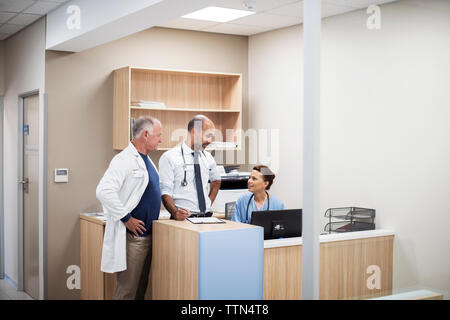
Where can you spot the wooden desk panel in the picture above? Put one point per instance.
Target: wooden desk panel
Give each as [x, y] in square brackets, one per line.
[343, 267]
[174, 263]
[283, 273]
[95, 284]
[91, 254]
[202, 261]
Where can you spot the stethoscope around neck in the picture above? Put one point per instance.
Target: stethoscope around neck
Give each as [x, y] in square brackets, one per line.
[184, 183]
[248, 205]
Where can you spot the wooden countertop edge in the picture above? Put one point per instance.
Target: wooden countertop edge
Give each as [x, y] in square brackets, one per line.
[267, 243]
[93, 219]
[349, 236]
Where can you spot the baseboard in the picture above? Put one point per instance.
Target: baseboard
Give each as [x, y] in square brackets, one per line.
[11, 281]
[446, 294]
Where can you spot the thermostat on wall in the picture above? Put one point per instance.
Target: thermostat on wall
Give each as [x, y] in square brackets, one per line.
[61, 175]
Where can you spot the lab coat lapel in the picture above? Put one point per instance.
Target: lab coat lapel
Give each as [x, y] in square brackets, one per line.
[138, 158]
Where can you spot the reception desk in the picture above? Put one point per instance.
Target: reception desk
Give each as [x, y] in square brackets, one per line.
[347, 260]
[198, 261]
[207, 261]
[95, 284]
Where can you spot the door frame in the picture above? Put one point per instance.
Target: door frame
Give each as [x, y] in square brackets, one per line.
[42, 197]
[2, 208]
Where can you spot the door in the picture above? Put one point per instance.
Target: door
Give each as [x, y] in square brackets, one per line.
[30, 195]
[2, 246]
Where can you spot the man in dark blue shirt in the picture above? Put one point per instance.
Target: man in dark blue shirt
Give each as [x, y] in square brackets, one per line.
[132, 282]
[148, 208]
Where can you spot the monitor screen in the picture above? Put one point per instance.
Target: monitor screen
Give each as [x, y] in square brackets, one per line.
[279, 223]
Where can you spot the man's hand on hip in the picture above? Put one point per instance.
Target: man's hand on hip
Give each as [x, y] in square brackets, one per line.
[137, 227]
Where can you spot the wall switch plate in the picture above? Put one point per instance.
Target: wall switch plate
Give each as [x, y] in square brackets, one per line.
[61, 175]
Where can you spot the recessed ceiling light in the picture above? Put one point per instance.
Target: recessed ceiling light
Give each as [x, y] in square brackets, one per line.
[218, 14]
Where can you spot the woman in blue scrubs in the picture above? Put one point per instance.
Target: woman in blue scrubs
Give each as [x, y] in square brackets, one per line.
[261, 178]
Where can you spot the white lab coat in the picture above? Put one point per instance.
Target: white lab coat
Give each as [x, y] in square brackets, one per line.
[120, 191]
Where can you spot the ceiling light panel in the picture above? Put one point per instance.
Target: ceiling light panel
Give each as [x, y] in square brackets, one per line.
[188, 24]
[218, 14]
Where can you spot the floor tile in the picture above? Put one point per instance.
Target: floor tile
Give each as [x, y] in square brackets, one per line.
[8, 292]
[4, 296]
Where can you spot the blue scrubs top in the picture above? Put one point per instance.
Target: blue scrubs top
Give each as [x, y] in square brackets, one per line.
[240, 209]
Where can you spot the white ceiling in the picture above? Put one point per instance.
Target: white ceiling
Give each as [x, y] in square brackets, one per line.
[17, 14]
[270, 15]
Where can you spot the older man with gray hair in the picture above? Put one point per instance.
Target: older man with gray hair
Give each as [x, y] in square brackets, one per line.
[131, 198]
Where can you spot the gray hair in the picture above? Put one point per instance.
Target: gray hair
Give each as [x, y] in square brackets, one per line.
[142, 124]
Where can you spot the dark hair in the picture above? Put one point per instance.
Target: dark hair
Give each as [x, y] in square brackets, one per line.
[191, 123]
[267, 174]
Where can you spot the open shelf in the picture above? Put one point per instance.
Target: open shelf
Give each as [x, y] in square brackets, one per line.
[186, 93]
[174, 124]
[185, 109]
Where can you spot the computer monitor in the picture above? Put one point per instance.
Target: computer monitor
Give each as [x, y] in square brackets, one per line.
[279, 223]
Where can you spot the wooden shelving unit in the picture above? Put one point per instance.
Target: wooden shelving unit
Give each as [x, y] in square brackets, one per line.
[185, 94]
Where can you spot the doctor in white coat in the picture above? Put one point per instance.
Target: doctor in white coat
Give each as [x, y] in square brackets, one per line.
[131, 200]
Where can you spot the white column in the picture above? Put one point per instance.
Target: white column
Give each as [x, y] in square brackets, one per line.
[311, 149]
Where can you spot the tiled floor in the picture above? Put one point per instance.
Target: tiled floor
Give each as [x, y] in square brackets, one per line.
[8, 292]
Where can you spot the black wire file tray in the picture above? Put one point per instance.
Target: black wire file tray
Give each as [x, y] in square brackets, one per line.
[349, 219]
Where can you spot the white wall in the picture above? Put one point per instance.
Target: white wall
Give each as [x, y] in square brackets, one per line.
[275, 61]
[24, 72]
[384, 125]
